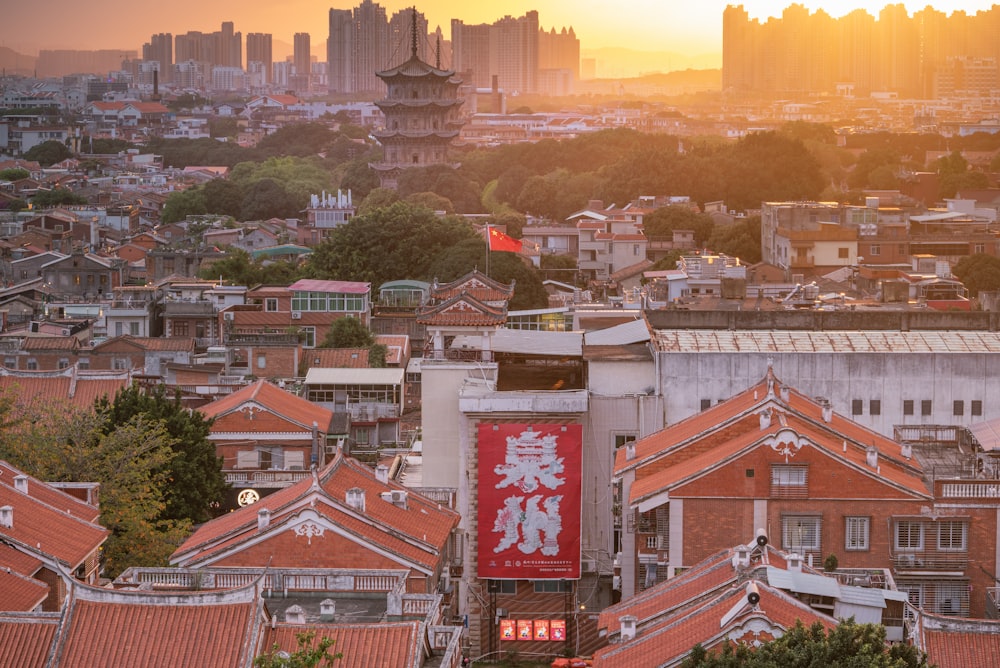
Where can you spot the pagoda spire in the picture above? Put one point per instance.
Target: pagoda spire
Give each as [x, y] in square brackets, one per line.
[413, 33]
[437, 53]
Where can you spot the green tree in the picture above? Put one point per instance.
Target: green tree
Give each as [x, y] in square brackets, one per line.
[663, 222]
[848, 645]
[197, 485]
[237, 267]
[131, 461]
[223, 197]
[431, 201]
[311, 653]
[267, 198]
[222, 127]
[741, 239]
[44, 199]
[14, 174]
[376, 355]
[378, 198]
[979, 273]
[348, 333]
[48, 152]
[183, 203]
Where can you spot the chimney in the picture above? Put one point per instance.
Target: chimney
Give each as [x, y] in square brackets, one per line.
[827, 410]
[355, 498]
[906, 450]
[263, 519]
[871, 456]
[327, 607]
[382, 473]
[765, 419]
[21, 483]
[785, 393]
[742, 557]
[314, 454]
[7, 517]
[630, 451]
[795, 562]
[295, 615]
[627, 626]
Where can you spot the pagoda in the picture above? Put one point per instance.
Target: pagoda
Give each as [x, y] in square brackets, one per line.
[421, 115]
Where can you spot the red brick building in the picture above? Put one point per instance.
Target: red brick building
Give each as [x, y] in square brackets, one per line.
[819, 484]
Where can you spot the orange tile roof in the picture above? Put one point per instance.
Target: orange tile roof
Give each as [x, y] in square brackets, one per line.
[50, 343]
[476, 284]
[154, 629]
[952, 642]
[314, 285]
[275, 400]
[673, 638]
[51, 496]
[25, 638]
[389, 644]
[24, 563]
[462, 310]
[418, 533]
[21, 592]
[338, 358]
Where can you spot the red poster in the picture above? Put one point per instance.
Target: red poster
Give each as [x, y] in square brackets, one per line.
[524, 629]
[529, 501]
[506, 629]
[557, 629]
[541, 629]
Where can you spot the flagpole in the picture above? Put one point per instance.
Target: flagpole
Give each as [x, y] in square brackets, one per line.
[487, 250]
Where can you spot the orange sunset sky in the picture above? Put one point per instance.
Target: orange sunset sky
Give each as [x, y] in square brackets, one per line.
[683, 27]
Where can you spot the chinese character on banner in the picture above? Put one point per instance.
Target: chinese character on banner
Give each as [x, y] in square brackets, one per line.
[529, 493]
[557, 629]
[541, 629]
[506, 629]
[524, 629]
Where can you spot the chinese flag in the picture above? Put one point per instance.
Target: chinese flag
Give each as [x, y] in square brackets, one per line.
[501, 242]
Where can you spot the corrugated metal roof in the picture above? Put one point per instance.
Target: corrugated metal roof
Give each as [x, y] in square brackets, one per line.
[774, 341]
[803, 583]
[636, 331]
[528, 342]
[387, 376]
[987, 433]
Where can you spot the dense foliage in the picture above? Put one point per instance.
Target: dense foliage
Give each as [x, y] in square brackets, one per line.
[978, 273]
[311, 653]
[848, 645]
[48, 152]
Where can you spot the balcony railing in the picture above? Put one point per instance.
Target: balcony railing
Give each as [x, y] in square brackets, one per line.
[930, 561]
[264, 479]
[969, 489]
[993, 603]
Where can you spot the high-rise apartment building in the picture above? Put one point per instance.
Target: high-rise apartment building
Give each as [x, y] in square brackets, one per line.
[515, 51]
[259, 52]
[160, 50]
[301, 59]
[223, 48]
[359, 45]
[857, 54]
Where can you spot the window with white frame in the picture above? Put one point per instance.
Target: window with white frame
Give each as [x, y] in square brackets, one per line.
[856, 533]
[909, 535]
[801, 533]
[789, 481]
[271, 304]
[951, 535]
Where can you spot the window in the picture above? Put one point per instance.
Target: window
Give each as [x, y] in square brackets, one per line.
[952, 598]
[261, 361]
[875, 407]
[958, 407]
[875, 250]
[843, 253]
[978, 249]
[552, 586]
[650, 542]
[856, 534]
[133, 328]
[977, 407]
[706, 403]
[951, 535]
[502, 586]
[789, 481]
[32, 364]
[925, 407]
[309, 334]
[63, 362]
[909, 535]
[907, 406]
[180, 328]
[857, 406]
[622, 439]
[801, 533]
[271, 304]
[246, 459]
[294, 460]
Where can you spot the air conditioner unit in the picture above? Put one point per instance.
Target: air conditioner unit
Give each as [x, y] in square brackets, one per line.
[296, 315]
[907, 560]
[228, 315]
[588, 565]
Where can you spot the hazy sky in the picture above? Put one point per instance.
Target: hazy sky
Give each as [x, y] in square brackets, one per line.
[688, 27]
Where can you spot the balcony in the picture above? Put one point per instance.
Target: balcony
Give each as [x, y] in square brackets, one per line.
[925, 561]
[264, 479]
[371, 412]
[968, 489]
[200, 307]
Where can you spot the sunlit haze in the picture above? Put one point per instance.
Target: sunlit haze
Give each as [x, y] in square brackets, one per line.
[689, 28]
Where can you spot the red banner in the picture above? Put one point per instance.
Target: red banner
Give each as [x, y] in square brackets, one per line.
[558, 629]
[529, 501]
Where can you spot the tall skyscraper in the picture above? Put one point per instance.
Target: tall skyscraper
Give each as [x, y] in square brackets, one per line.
[259, 51]
[301, 60]
[160, 49]
[223, 48]
[364, 41]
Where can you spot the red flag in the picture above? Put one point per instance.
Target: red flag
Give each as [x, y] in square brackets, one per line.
[501, 242]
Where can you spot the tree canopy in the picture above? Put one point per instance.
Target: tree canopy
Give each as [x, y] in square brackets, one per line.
[48, 152]
[978, 273]
[848, 645]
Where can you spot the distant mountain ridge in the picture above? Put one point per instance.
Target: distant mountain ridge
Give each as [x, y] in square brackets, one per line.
[622, 62]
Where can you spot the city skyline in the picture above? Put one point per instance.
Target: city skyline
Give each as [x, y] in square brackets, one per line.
[641, 25]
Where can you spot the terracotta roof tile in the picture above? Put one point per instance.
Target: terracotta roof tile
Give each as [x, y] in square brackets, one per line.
[952, 642]
[25, 639]
[418, 533]
[277, 401]
[154, 629]
[24, 563]
[389, 644]
[462, 310]
[51, 496]
[51, 343]
[21, 592]
[479, 286]
[338, 358]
